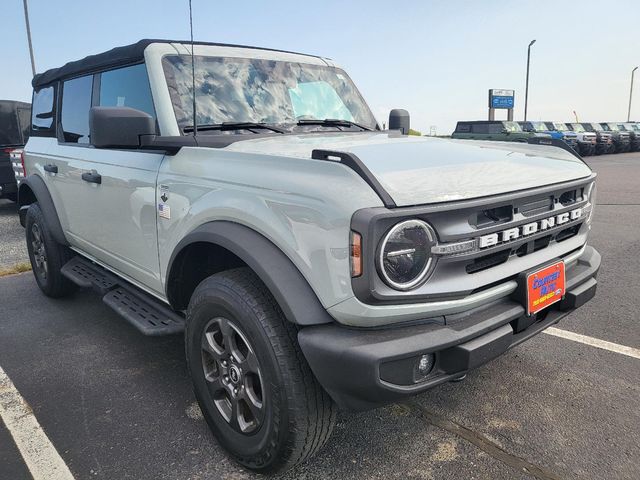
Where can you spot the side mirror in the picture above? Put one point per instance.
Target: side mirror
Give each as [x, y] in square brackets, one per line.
[119, 127]
[399, 120]
[505, 131]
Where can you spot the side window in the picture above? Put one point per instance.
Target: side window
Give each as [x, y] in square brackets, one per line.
[495, 128]
[480, 128]
[127, 87]
[42, 111]
[463, 128]
[76, 102]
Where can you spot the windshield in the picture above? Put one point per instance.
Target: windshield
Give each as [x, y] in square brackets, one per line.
[539, 126]
[597, 127]
[561, 127]
[577, 127]
[232, 90]
[512, 127]
[612, 126]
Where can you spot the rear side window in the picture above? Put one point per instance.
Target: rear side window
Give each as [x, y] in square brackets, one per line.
[42, 111]
[495, 128]
[76, 102]
[127, 87]
[480, 128]
[463, 128]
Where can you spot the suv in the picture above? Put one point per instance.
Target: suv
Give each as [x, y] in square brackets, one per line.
[311, 260]
[621, 138]
[604, 140]
[633, 129]
[586, 142]
[567, 137]
[494, 130]
[14, 132]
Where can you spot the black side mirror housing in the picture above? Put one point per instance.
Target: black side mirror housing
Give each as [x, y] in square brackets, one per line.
[119, 127]
[399, 120]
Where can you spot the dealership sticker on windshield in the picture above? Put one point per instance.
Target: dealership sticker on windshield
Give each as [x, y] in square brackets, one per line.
[545, 287]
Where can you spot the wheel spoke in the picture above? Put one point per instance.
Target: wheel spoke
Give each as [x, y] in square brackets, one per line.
[254, 404]
[250, 363]
[208, 345]
[235, 413]
[229, 337]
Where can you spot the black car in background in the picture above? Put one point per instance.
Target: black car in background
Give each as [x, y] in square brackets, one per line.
[14, 131]
[634, 132]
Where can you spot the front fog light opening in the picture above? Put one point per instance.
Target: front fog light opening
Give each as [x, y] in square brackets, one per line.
[423, 367]
[404, 257]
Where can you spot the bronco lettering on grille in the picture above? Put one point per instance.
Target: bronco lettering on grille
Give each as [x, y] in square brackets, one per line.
[514, 233]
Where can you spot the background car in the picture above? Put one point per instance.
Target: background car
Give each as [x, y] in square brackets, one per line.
[621, 139]
[586, 141]
[634, 132]
[14, 132]
[604, 140]
[568, 137]
[495, 130]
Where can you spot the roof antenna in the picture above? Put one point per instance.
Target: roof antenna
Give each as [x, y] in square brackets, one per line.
[193, 74]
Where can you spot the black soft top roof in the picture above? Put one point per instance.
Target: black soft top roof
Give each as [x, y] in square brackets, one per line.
[116, 56]
[14, 122]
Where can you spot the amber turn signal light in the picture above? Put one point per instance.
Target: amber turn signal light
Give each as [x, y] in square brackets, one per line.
[355, 249]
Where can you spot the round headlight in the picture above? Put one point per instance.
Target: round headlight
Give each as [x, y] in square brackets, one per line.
[404, 259]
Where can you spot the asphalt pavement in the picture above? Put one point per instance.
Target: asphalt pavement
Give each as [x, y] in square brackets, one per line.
[119, 405]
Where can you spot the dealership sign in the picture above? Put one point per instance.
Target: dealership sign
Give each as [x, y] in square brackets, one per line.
[500, 98]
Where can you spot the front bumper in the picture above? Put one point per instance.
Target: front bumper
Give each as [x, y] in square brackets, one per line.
[364, 368]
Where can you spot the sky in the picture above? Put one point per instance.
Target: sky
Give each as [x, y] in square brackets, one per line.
[437, 59]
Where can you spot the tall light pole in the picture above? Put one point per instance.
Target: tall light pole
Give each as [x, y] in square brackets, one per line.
[526, 91]
[26, 21]
[631, 94]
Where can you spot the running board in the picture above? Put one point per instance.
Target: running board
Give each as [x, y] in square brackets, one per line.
[143, 311]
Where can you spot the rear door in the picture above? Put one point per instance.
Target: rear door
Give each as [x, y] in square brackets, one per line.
[108, 195]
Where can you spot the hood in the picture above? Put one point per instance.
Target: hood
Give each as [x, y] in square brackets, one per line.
[420, 170]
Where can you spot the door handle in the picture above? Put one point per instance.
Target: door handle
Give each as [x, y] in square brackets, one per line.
[51, 168]
[92, 177]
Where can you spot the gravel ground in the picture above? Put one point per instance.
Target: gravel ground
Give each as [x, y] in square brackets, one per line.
[13, 249]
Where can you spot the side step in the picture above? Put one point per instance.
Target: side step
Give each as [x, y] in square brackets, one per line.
[143, 311]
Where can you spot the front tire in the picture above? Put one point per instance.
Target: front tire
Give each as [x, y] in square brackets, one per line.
[253, 384]
[47, 256]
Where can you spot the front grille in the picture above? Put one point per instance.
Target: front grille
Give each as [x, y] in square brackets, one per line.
[496, 258]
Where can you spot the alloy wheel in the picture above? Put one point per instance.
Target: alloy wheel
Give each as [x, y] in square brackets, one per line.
[233, 375]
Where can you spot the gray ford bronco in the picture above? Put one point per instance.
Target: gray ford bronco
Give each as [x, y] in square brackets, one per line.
[311, 260]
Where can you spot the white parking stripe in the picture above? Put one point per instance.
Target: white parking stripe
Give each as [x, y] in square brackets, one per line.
[41, 457]
[594, 342]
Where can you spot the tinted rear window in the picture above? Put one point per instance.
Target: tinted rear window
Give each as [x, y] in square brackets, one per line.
[42, 110]
[76, 102]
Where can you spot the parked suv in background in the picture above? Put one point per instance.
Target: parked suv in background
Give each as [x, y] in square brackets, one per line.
[633, 129]
[568, 137]
[501, 131]
[604, 140]
[311, 260]
[621, 139]
[586, 141]
[14, 132]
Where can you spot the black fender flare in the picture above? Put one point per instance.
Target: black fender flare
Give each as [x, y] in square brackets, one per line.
[296, 298]
[43, 197]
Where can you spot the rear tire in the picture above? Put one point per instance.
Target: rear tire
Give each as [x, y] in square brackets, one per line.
[47, 256]
[270, 413]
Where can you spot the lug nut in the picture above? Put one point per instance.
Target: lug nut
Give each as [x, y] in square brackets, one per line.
[235, 391]
[224, 363]
[226, 378]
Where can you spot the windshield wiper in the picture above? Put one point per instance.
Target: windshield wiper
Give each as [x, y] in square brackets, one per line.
[235, 126]
[331, 122]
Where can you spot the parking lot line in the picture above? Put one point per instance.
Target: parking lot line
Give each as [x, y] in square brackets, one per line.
[39, 454]
[594, 342]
